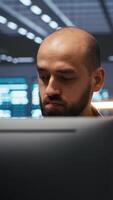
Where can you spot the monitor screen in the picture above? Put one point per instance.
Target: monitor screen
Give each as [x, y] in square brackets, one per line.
[56, 158]
[13, 97]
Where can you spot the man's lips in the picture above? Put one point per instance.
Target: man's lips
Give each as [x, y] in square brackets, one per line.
[53, 104]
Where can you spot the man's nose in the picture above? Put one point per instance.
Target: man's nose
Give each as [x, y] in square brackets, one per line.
[53, 87]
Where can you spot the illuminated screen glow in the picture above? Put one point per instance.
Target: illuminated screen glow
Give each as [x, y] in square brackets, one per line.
[13, 97]
[35, 112]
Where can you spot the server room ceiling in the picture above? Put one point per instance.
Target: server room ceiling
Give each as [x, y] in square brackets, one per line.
[32, 20]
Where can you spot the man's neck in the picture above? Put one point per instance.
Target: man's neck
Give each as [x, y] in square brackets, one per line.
[91, 112]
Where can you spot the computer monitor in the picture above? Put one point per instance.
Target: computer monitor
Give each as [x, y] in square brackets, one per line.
[56, 158]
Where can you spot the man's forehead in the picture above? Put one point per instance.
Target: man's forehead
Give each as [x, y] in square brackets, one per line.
[61, 55]
[65, 42]
[64, 38]
[68, 31]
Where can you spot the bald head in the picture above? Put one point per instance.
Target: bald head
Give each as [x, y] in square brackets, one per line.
[74, 41]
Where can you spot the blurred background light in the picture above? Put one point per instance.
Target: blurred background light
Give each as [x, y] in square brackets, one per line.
[22, 31]
[3, 20]
[12, 25]
[46, 18]
[26, 2]
[36, 10]
[53, 24]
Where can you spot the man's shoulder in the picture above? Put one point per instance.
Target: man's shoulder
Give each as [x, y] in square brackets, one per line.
[96, 112]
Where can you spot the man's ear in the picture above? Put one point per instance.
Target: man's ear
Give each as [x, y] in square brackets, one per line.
[98, 79]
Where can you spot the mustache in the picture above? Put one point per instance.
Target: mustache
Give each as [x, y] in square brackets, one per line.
[53, 99]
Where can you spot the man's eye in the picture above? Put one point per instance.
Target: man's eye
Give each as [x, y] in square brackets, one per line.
[66, 77]
[44, 76]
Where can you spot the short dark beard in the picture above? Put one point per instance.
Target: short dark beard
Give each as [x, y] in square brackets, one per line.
[73, 110]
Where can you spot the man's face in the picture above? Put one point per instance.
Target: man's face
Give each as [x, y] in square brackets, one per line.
[64, 82]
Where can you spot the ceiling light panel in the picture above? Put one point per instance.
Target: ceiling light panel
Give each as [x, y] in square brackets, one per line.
[3, 20]
[53, 24]
[12, 25]
[46, 18]
[22, 31]
[38, 40]
[26, 2]
[36, 10]
[30, 35]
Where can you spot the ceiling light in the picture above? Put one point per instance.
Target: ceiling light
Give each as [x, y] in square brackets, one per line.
[38, 40]
[3, 20]
[12, 25]
[36, 10]
[22, 31]
[46, 18]
[26, 2]
[30, 35]
[53, 24]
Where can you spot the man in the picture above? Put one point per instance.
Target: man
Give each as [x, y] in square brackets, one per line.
[69, 71]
